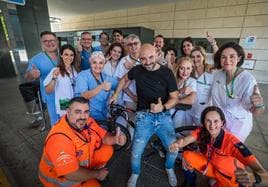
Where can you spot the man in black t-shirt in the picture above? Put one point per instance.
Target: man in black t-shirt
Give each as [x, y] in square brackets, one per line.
[156, 92]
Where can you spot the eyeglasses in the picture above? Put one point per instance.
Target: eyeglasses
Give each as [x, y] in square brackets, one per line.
[133, 44]
[49, 41]
[86, 39]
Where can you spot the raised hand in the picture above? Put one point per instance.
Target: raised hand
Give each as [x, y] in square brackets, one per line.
[156, 108]
[128, 64]
[106, 86]
[242, 176]
[107, 58]
[120, 138]
[35, 72]
[256, 98]
[79, 46]
[56, 72]
[102, 173]
[175, 147]
[210, 38]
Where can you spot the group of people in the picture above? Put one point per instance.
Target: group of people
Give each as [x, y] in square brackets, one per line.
[167, 92]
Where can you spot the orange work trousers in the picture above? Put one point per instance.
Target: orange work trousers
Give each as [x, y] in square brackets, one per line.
[198, 161]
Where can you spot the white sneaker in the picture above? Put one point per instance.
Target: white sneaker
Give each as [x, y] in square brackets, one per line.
[132, 181]
[172, 179]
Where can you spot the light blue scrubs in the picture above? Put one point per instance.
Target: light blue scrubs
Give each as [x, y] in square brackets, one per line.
[42, 62]
[85, 57]
[98, 104]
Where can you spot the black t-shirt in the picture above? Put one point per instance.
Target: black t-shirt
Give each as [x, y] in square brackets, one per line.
[151, 85]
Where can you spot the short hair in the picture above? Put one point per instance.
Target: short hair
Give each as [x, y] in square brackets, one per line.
[117, 31]
[47, 33]
[187, 39]
[171, 49]
[96, 54]
[80, 100]
[240, 53]
[104, 33]
[85, 32]
[159, 36]
[132, 36]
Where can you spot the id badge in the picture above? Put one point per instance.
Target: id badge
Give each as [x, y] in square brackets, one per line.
[64, 103]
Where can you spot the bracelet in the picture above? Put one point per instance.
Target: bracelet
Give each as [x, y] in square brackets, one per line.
[54, 78]
[260, 106]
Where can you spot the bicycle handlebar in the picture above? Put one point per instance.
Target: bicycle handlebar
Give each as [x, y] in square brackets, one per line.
[120, 107]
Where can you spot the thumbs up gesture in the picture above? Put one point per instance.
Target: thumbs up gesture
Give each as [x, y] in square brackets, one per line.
[257, 100]
[156, 108]
[35, 72]
[120, 138]
[243, 177]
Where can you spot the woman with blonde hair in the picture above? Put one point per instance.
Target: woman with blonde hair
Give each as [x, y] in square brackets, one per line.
[187, 91]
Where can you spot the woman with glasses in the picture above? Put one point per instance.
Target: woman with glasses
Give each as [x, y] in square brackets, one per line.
[94, 85]
[219, 155]
[62, 78]
[235, 90]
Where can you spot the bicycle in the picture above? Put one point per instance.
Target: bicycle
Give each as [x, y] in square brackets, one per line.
[117, 111]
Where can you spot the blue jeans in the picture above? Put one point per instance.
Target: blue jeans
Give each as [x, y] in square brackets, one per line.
[148, 124]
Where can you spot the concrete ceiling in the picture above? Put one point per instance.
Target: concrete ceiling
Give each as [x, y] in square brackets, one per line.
[68, 8]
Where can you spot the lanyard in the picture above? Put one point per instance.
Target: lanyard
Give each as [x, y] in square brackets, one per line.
[97, 80]
[135, 60]
[205, 80]
[72, 79]
[230, 94]
[52, 62]
[210, 151]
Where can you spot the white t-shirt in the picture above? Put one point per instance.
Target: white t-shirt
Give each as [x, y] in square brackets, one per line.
[64, 88]
[120, 72]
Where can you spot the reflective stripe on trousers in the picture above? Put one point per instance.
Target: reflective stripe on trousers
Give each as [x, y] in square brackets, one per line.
[65, 183]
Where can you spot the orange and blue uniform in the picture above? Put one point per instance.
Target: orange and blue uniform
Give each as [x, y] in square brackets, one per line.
[218, 161]
[66, 150]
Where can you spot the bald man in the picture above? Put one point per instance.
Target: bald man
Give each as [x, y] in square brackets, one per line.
[156, 93]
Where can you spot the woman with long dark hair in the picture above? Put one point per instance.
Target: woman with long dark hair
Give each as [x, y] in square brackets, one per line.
[113, 56]
[62, 78]
[219, 154]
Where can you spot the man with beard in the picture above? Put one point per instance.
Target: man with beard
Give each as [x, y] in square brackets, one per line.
[77, 149]
[156, 94]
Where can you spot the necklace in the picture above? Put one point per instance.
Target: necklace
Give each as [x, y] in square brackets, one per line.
[230, 93]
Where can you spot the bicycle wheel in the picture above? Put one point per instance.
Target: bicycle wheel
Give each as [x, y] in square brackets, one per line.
[184, 131]
[127, 145]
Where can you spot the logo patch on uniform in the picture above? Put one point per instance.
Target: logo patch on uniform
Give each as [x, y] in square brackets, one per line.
[63, 159]
[243, 149]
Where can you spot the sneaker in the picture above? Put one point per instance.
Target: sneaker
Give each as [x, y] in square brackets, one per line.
[172, 179]
[132, 181]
